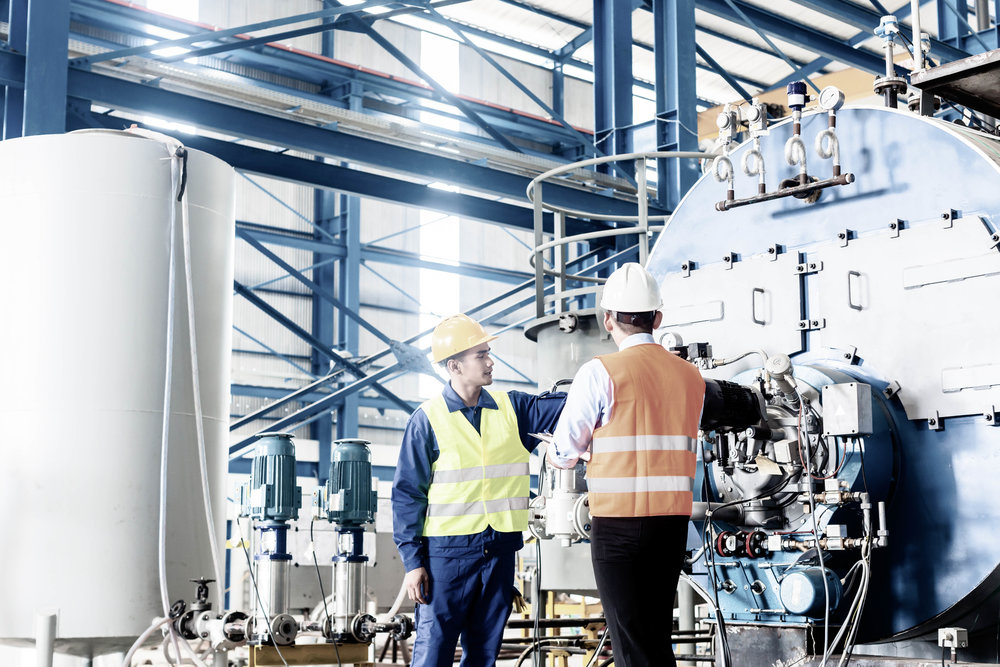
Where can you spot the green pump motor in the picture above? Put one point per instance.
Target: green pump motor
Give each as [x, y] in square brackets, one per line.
[350, 499]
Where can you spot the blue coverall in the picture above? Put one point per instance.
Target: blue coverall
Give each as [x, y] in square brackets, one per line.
[472, 576]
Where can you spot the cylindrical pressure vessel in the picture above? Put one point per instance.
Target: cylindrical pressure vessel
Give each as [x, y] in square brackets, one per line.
[84, 268]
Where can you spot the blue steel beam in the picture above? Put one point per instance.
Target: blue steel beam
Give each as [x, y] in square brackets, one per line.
[121, 94]
[676, 115]
[217, 35]
[384, 188]
[331, 74]
[821, 62]
[774, 47]
[294, 328]
[45, 67]
[796, 33]
[353, 22]
[259, 391]
[726, 76]
[17, 38]
[864, 18]
[324, 74]
[564, 52]
[319, 291]
[612, 78]
[315, 410]
[964, 28]
[378, 254]
[572, 131]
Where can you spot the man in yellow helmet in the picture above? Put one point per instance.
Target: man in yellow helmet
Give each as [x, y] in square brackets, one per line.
[460, 499]
[635, 413]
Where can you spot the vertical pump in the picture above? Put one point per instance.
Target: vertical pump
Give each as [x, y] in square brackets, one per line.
[271, 499]
[349, 500]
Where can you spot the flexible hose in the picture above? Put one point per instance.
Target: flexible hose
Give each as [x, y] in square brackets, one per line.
[127, 662]
[387, 616]
[165, 428]
[199, 420]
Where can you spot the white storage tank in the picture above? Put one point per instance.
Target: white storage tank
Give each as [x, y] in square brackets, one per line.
[84, 298]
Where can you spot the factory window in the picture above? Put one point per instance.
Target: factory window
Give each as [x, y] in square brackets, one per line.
[439, 292]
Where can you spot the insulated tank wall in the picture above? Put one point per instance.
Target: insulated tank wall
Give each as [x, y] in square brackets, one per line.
[84, 296]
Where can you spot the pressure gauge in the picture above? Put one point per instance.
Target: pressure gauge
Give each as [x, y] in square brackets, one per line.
[831, 98]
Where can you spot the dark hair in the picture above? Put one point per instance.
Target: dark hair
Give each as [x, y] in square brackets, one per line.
[636, 322]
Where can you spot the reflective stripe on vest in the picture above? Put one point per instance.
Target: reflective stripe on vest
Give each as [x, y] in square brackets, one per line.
[643, 460]
[478, 480]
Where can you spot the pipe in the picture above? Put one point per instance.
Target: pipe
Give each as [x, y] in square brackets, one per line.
[982, 15]
[918, 53]
[685, 612]
[555, 622]
[45, 638]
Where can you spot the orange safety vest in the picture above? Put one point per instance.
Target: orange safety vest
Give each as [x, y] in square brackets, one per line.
[643, 460]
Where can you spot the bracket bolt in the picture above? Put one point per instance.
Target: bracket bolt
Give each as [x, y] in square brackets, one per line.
[772, 250]
[892, 225]
[684, 267]
[841, 236]
[932, 421]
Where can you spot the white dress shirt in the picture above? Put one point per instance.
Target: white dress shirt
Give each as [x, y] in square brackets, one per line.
[588, 406]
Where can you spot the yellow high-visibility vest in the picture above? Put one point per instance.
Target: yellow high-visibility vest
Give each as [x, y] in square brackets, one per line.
[479, 479]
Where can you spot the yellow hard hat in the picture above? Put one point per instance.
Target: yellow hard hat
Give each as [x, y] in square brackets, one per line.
[455, 334]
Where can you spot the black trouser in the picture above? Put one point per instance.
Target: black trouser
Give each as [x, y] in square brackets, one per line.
[637, 562]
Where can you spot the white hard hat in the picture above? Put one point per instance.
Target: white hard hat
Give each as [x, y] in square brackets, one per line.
[630, 289]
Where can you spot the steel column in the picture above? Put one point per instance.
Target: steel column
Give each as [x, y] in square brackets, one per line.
[45, 67]
[324, 215]
[676, 114]
[350, 294]
[613, 77]
[17, 38]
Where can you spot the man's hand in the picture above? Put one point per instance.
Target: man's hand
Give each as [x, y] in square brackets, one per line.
[418, 585]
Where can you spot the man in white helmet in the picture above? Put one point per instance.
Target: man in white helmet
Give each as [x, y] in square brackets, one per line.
[460, 499]
[635, 413]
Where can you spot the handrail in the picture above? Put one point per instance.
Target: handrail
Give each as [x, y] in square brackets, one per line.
[642, 228]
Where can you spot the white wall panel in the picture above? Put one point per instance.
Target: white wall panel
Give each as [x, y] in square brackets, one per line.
[234, 13]
[481, 80]
[359, 49]
[274, 203]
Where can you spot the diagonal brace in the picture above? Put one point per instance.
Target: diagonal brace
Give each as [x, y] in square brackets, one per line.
[351, 367]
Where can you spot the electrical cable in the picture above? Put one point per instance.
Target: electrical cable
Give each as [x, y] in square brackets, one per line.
[819, 550]
[537, 593]
[322, 593]
[537, 581]
[253, 582]
[710, 555]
